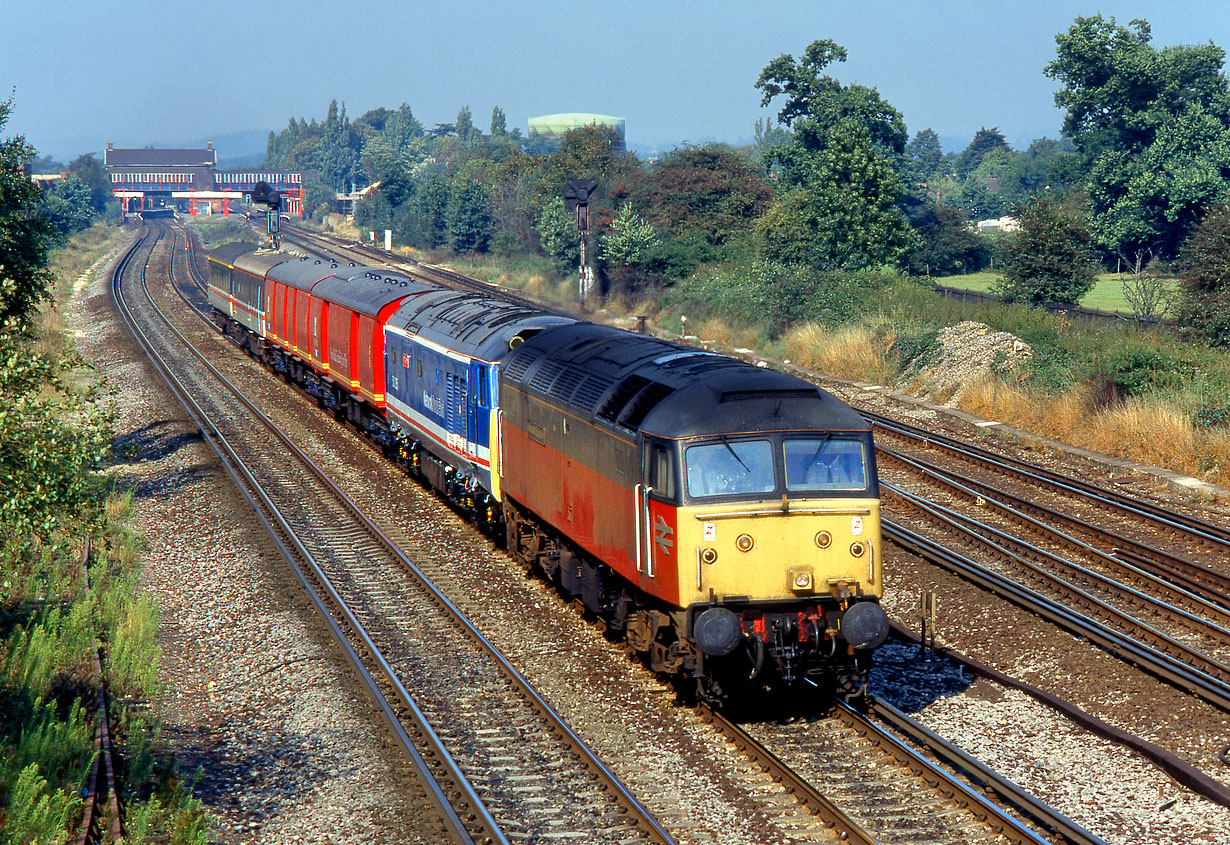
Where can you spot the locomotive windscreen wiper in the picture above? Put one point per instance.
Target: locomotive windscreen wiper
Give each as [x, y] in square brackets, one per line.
[736, 454]
[819, 446]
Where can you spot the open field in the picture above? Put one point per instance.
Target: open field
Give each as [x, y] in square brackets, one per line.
[1107, 293]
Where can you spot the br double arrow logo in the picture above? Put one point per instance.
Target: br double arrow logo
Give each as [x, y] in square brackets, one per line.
[662, 535]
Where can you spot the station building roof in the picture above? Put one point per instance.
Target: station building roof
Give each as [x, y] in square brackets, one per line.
[160, 157]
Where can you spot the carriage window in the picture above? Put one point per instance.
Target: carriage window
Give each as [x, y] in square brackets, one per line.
[730, 468]
[824, 463]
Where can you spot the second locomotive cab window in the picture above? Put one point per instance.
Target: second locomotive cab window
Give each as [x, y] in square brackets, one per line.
[824, 463]
[730, 468]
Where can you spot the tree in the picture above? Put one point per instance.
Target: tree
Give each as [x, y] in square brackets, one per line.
[629, 240]
[499, 126]
[946, 244]
[713, 192]
[1152, 126]
[428, 213]
[24, 235]
[926, 156]
[1050, 259]
[466, 130]
[815, 104]
[839, 209]
[843, 213]
[557, 232]
[1204, 283]
[51, 433]
[767, 138]
[67, 206]
[984, 141]
[93, 175]
[468, 220]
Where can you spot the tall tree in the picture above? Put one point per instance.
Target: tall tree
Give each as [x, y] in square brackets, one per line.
[1204, 289]
[984, 142]
[926, 155]
[466, 130]
[840, 205]
[499, 125]
[1153, 127]
[24, 234]
[467, 217]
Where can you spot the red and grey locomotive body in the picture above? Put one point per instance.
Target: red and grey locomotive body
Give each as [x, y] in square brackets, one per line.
[726, 517]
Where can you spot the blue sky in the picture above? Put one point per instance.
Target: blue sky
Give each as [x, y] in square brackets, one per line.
[84, 72]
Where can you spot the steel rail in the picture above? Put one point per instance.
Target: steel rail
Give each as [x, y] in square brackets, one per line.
[984, 494]
[1149, 562]
[979, 774]
[630, 802]
[264, 510]
[1119, 645]
[1206, 531]
[1145, 634]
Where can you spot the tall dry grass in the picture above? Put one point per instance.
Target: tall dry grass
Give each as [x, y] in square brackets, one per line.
[1146, 430]
[857, 352]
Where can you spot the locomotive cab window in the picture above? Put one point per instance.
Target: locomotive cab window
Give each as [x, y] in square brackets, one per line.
[660, 470]
[825, 462]
[730, 468]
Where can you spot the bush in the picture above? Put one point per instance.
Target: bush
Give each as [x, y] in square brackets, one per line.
[1204, 286]
[775, 296]
[1050, 259]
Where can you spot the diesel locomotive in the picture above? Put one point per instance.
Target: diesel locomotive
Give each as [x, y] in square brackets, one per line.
[723, 519]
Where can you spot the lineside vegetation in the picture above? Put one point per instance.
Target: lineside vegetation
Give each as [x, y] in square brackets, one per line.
[55, 440]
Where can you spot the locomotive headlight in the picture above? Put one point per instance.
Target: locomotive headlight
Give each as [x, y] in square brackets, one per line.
[708, 555]
[801, 580]
[857, 549]
[824, 539]
[744, 542]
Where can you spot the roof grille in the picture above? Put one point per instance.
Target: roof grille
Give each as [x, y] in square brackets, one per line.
[619, 397]
[545, 375]
[590, 391]
[644, 402]
[515, 369]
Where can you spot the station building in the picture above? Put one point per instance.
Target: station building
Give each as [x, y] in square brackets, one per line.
[188, 180]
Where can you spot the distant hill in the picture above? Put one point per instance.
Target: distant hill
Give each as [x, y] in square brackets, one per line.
[248, 162]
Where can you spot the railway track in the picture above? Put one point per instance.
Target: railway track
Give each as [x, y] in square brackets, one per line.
[956, 823]
[503, 765]
[897, 793]
[1121, 551]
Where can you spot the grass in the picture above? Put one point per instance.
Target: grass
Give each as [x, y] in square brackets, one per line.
[1106, 294]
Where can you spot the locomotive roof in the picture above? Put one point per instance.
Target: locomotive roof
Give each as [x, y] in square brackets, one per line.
[635, 382]
[367, 289]
[471, 323]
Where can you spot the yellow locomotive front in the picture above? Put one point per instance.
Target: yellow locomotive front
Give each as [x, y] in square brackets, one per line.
[783, 534]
